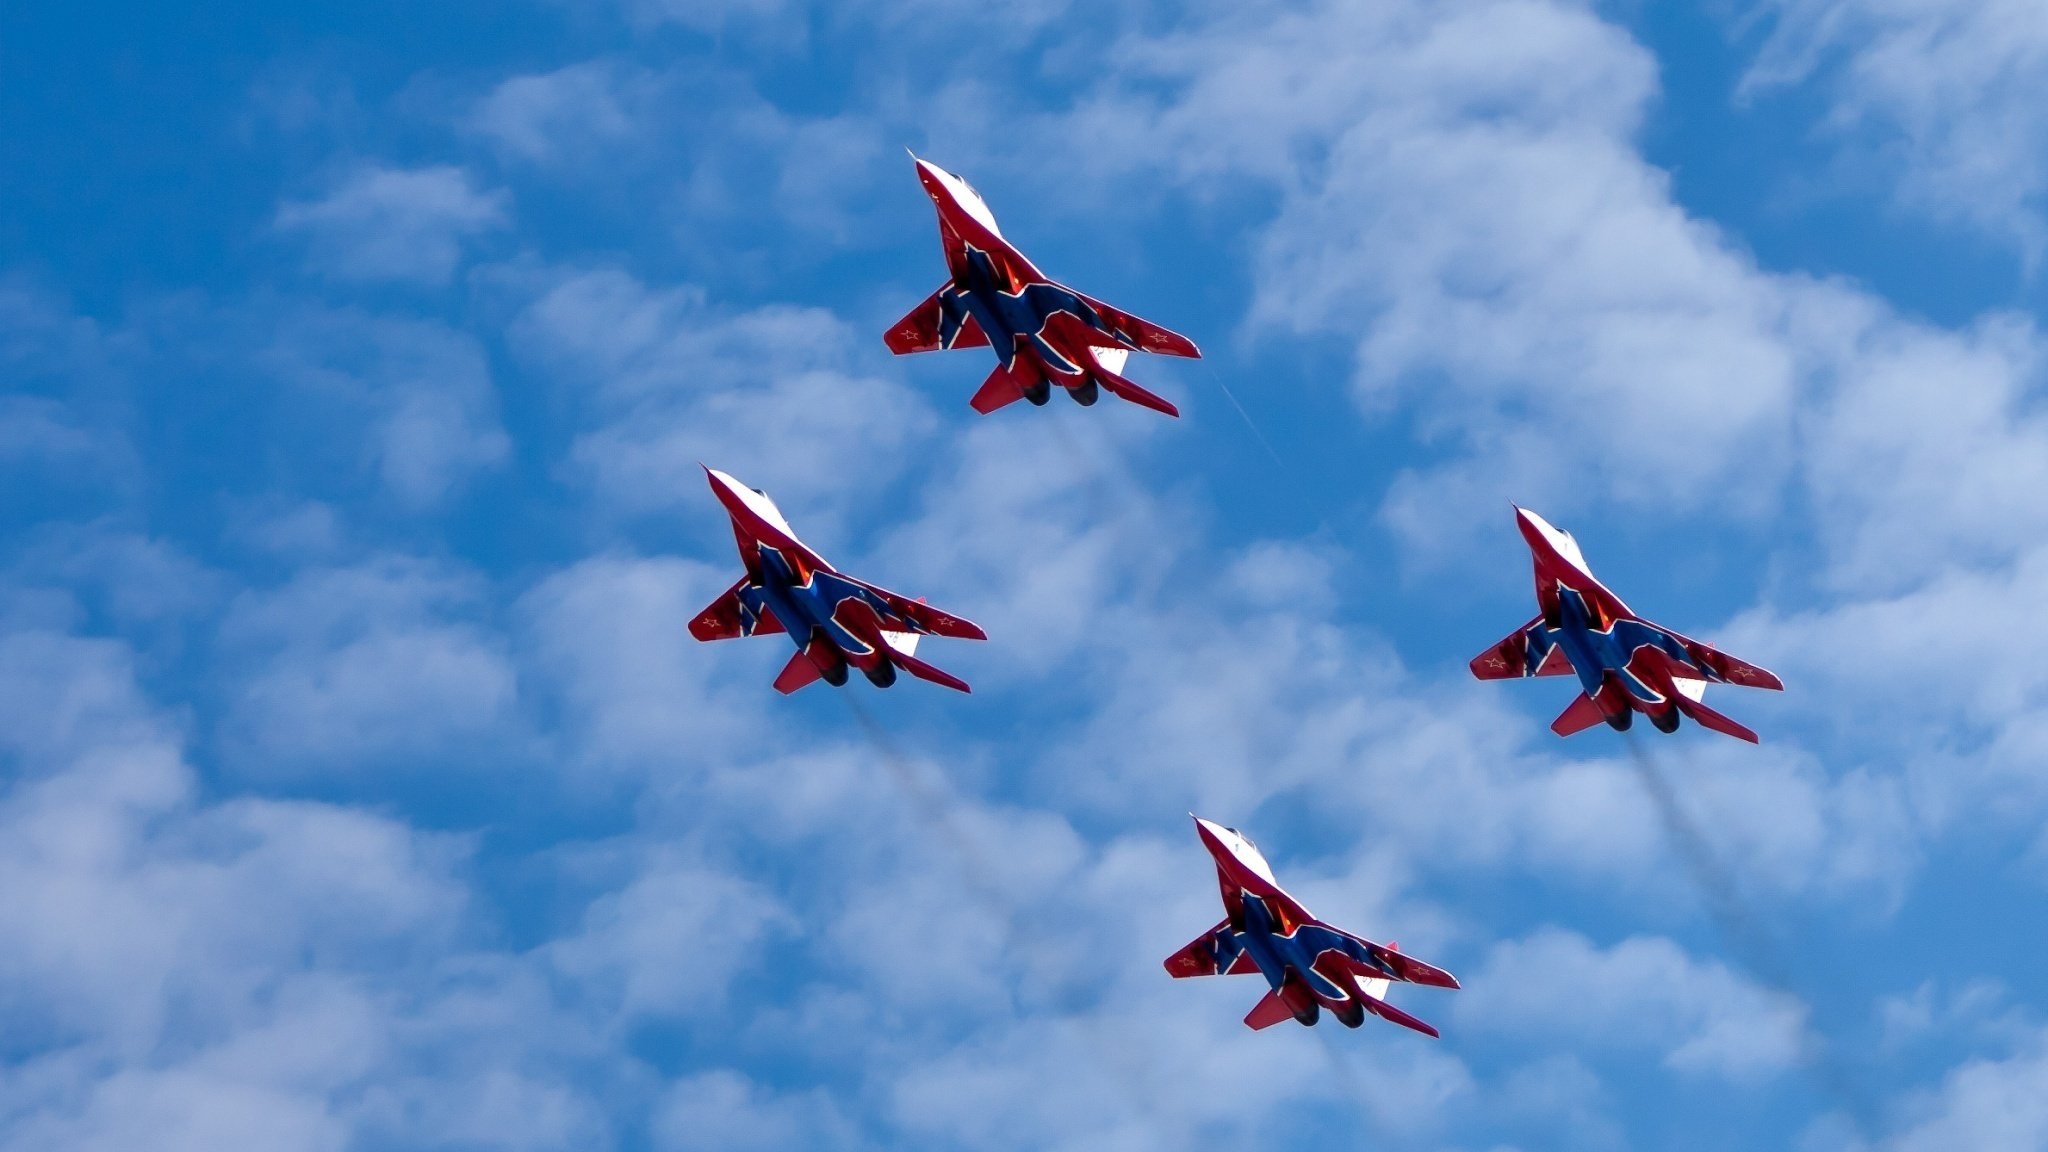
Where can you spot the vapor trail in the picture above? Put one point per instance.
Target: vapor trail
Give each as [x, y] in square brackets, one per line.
[1745, 938]
[1217, 378]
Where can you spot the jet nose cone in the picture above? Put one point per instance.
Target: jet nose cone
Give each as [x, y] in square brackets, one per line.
[1215, 837]
[1535, 529]
[721, 481]
[936, 181]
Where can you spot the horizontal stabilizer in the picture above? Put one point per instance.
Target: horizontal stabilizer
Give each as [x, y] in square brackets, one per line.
[1270, 1010]
[1386, 1011]
[798, 673]
[1120, 387]
[924, 671]
[1581, 715]
[1706, 717]
[1415, 971]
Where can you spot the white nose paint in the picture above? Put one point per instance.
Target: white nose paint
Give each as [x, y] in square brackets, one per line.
[963, 194]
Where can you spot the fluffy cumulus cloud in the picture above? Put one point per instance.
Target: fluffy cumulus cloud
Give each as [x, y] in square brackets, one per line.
[183, 972]
[1948, 96]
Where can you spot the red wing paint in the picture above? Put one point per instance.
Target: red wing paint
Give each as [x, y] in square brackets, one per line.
[726, 619]
[933, 620]
[922, 329]
[1729, 668]
[1142, 334]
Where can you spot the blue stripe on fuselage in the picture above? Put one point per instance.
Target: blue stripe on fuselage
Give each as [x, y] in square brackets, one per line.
[1004, 315]
[1594, 652]
[804, 606]
[1275, 952]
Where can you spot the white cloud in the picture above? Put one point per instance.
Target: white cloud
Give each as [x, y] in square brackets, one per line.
[347, 668]
[1949, 95]
[774, 396]
[422, 392]
[1995, 1105]
[138, 579]
[555, 116]
[395, 224]
[722, 1111]
[609, 638]
[1645, 992]
[670, 941]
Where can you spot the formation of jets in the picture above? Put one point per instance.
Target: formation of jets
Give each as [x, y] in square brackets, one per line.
[1043, 334]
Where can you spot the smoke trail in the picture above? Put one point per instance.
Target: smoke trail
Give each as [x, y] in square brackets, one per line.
[933, 807]
[1744, 936]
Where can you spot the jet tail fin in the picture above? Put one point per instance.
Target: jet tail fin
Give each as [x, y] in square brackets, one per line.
[1004, 386]
[1582, 714]
[1270, 1010]
[800, 672]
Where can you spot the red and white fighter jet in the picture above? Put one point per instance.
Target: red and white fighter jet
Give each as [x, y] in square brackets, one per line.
[1043, 332]
[1625, 663]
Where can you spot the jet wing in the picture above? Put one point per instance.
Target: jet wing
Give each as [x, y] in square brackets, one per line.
[937, 323]
[1140, 333]
[921, 615]
[1727, 667]
[1384, 962]
[1213, 953]
[1527, 651]
[731, 616]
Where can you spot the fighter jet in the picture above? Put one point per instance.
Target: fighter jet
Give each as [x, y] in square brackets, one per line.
[1625, 663]
[1043, 332]
[836, 621]
[1308, 964]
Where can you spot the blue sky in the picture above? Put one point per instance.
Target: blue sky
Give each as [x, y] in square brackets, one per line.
[364, 790]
